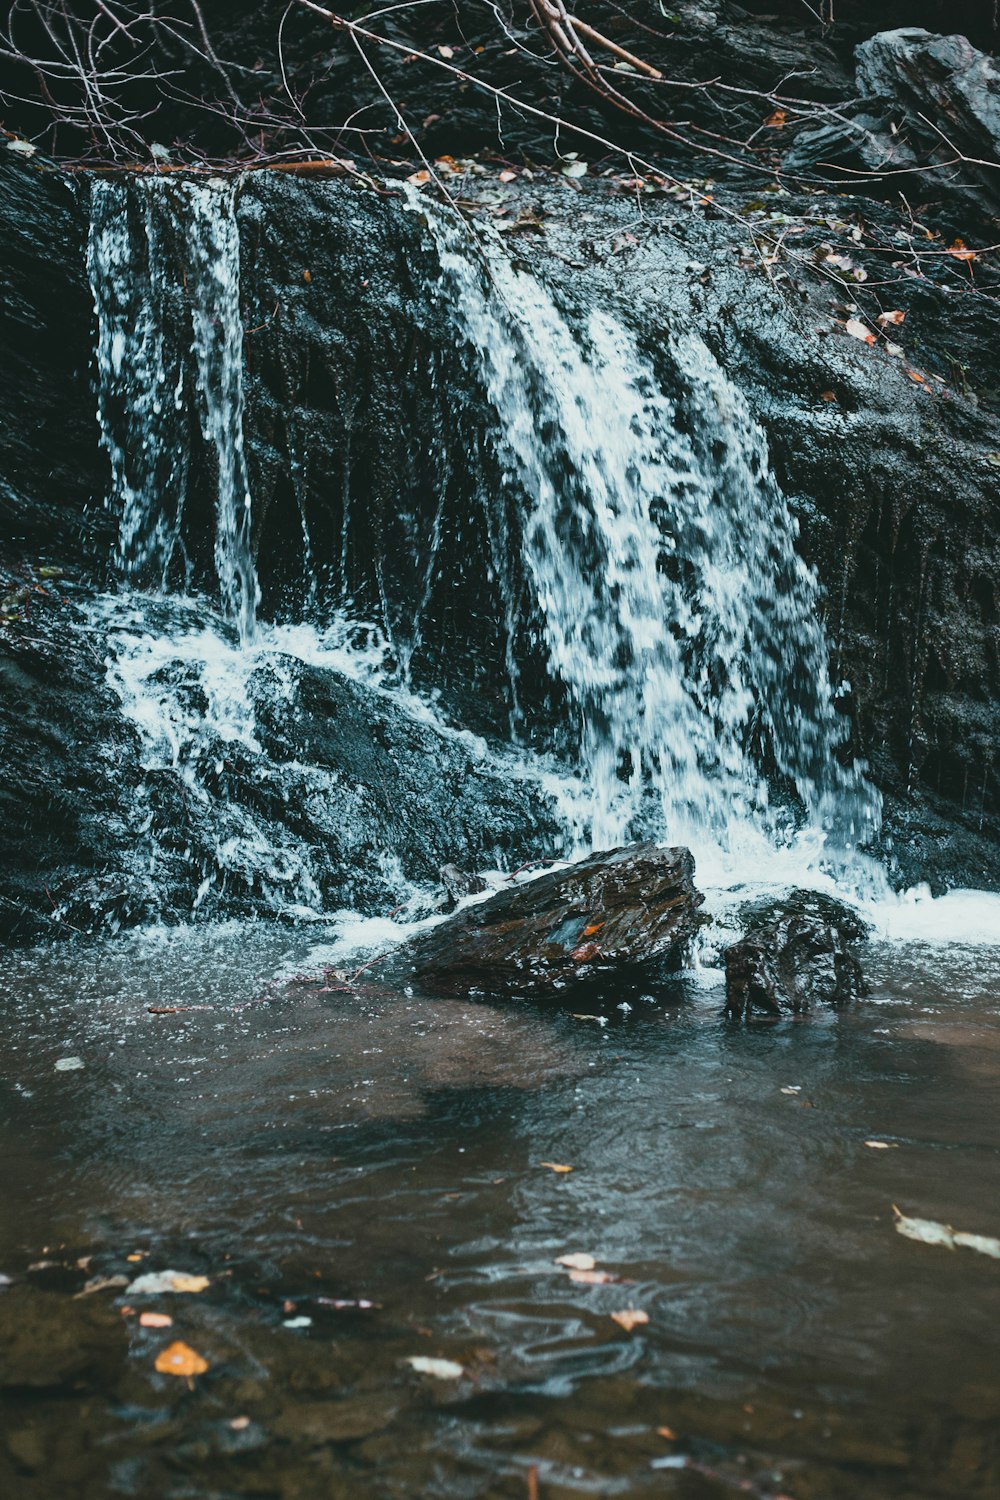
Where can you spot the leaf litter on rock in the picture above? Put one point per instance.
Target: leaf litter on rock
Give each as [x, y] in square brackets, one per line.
[577, 1261]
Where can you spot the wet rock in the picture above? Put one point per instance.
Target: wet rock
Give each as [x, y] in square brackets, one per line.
[613, 913]
[924, 99]
[460, 883]
[796, 955]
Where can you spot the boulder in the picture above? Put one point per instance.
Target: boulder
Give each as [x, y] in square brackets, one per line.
[617, 913]
[926, 101]
[797, 954]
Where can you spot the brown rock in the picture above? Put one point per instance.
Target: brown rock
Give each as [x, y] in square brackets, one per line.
[615, 912]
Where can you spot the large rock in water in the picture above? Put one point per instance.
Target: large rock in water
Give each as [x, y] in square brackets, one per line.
[615, 912]
[794, 957]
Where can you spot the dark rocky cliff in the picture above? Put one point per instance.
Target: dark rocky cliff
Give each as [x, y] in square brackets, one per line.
[364, 418]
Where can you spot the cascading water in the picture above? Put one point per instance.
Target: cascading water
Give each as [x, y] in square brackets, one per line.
[676, 609]
[660, 553]
[141, 288]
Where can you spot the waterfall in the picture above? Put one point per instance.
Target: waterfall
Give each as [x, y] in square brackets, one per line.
[658, 551]
[164, 264]
[676, 609]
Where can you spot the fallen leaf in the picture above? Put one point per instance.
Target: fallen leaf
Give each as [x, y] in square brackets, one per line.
[882, 1145]
[101, 1284]
[68, 1064]
[24, 147]
[441, 1369]
[555, 1166]
[575, 169]
[930, 1232]
[776, 120]
[155, 1282]
[508, 176]
[630, 1317]
[180, 1359]
[591, 1278]
[136, 1255]
[300, 1322]
[155, 1320]
[578, 1261]
[827, 396]
[857, 330]
[417, 179]
[240, 1424]
[886, 318]
[960, 250]
[916, 375]
[446, 51]
[668, 1433]
[792, 1088]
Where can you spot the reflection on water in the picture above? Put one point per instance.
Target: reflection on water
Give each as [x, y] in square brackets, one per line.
[305, 1147]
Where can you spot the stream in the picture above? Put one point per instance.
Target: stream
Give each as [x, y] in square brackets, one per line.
[312, 1152]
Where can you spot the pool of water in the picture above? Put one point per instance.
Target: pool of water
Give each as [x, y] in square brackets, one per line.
[367, 1179]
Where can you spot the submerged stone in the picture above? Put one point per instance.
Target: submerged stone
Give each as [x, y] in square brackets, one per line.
[796, 954]
[613, 913]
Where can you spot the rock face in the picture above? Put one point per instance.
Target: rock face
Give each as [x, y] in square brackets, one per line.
[923, 100]
[613, 914]
[794, 958]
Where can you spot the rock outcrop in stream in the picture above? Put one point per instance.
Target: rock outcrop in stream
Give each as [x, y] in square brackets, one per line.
[615, 915]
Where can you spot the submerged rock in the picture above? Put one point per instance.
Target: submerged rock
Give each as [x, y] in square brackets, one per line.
[615, 912]
[796, 955]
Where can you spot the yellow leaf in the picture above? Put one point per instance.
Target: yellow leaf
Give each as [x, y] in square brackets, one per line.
[555, 1166]
[630, 1317]
[180, 1359]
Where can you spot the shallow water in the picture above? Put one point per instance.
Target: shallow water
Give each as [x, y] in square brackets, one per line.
[300, 1144]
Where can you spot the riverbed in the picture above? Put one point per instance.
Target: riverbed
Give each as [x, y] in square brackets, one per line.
[367, 1180]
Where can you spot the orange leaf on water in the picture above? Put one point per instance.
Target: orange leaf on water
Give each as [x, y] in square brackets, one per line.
[555, 1166]
[180, 1359]
[630, 1317]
